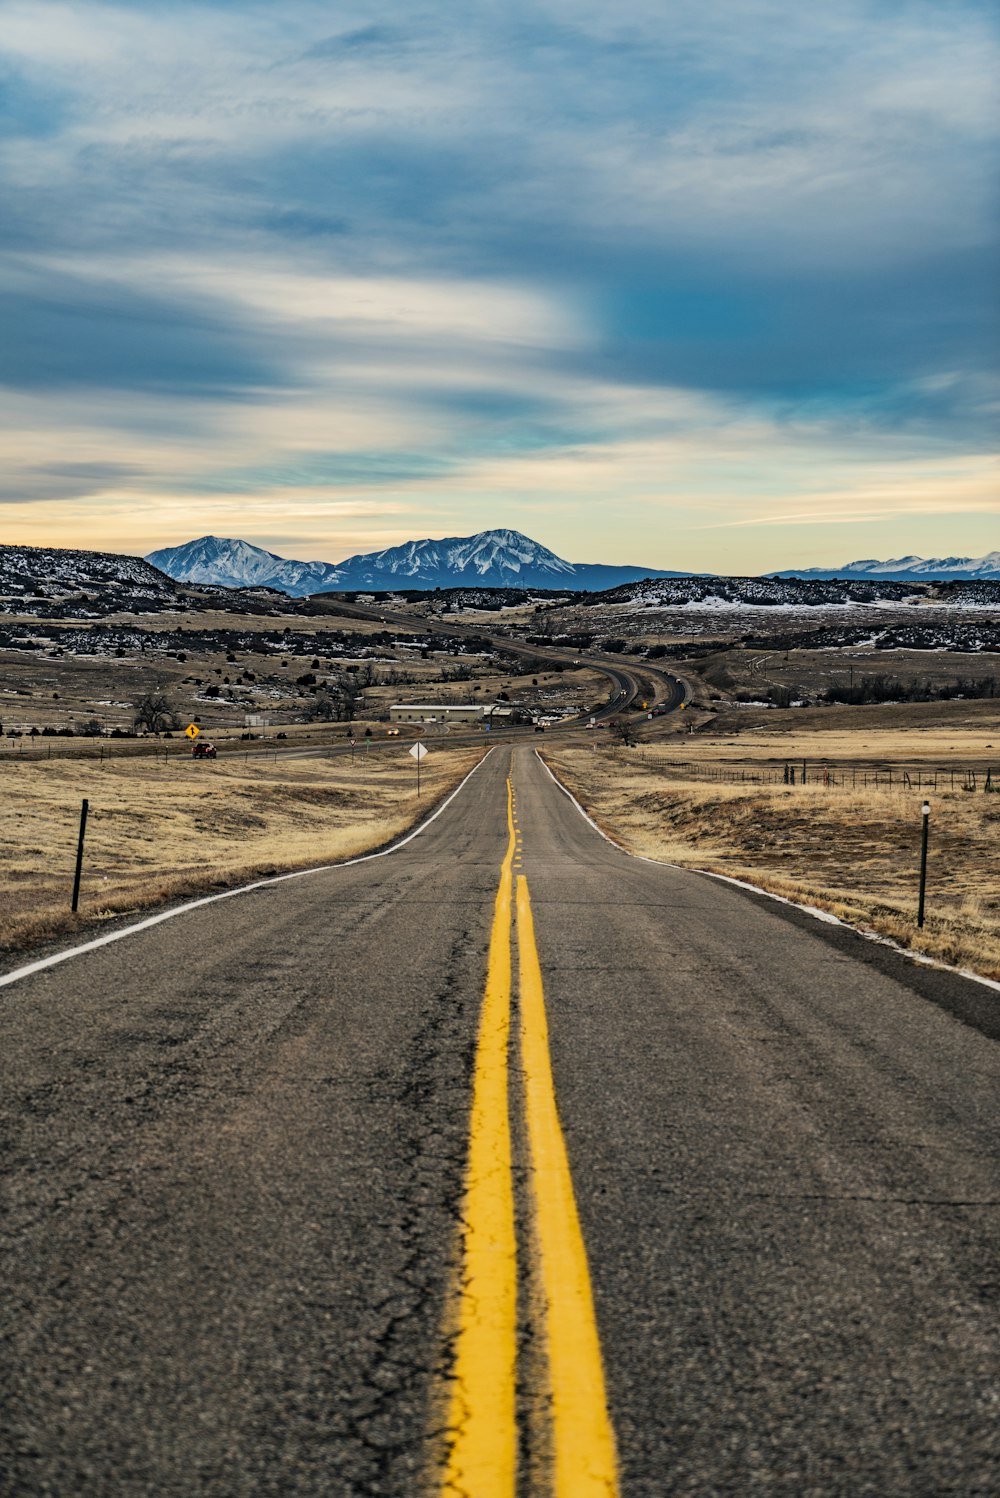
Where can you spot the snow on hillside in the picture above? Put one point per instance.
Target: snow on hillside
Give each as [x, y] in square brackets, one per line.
[52, 576]
[753, 592]
[55, 583]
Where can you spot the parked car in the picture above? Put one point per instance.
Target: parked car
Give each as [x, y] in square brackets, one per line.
[203, 750]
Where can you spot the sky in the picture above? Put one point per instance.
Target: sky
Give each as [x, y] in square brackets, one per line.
[706, 284]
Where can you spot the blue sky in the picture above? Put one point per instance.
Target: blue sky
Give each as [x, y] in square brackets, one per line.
[696, 285]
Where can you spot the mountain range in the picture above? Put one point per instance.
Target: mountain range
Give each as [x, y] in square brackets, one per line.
[910, 569]
[495, 558]
[491, 559]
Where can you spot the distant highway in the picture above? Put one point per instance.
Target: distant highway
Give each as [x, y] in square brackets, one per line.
[504, 1163]
[625, 681]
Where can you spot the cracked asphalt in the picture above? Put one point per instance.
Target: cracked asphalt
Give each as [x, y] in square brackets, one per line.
[234, 1152]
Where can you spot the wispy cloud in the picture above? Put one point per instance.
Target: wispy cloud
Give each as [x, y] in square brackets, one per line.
[365, 39]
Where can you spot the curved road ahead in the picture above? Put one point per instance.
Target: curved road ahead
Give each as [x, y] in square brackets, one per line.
[626, 679]
[504, 1158]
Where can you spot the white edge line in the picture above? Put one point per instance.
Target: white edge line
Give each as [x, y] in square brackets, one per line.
[813, 910]
[228, 894]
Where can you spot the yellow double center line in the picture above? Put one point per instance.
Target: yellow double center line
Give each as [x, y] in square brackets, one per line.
[481, 1460]
[482, 1457]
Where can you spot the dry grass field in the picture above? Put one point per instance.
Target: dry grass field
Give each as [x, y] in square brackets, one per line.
[157, 831]
[852, 851]
[813, 670]
[896, 730]
[201, 619]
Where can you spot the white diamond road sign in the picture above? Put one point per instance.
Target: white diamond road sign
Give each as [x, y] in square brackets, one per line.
[419, 752]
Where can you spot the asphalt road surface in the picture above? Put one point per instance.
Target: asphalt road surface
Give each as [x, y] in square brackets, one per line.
[501, 1164]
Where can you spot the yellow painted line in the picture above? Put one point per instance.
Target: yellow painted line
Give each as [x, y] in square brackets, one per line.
[482, 1455]
[583, 1442]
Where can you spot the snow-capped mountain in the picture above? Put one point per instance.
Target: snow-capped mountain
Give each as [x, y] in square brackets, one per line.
[910, 568]
[495, 558]
[490, 557]
[237, 564]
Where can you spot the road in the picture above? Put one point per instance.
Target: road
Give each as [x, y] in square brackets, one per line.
[504, 1162]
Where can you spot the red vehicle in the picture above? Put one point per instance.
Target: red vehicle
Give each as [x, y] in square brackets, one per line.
[203, 750]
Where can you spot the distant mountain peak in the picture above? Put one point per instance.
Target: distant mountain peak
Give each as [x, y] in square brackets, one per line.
[231, 563]
[909, 568]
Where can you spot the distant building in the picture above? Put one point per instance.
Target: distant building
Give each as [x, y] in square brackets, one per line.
[437, 712]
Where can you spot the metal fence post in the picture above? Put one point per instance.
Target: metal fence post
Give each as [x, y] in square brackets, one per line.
[923, 862]
[79, 856]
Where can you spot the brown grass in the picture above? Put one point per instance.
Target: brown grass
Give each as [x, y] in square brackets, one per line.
[852, 852]
[157, 831]
[895, 729]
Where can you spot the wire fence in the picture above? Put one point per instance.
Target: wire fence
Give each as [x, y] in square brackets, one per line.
[42, 746]
[855, 774]
[810, 772]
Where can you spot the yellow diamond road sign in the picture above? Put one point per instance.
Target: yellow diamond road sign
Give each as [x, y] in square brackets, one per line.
[192, 730]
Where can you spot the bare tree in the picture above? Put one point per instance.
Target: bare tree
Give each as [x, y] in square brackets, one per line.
[337, 700]
[324, 708]
[623, 731]
[350, 693]
[154, 712]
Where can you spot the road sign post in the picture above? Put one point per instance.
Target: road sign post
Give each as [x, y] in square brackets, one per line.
[923, 862]
[419, 752]
[79, 856]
